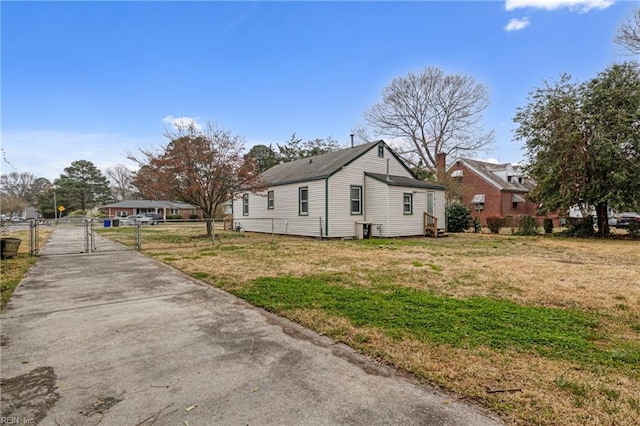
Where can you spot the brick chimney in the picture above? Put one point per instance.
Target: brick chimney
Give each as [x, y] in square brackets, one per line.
[441, 166]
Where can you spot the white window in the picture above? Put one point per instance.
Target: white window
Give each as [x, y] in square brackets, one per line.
[122, 213]
[245, 204]
[407, 203]
[270, 200]
[356, 199]
[303, 201]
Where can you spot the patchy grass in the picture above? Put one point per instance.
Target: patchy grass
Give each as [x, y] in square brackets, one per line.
[11, 273]
[13, 270]
[557, 318]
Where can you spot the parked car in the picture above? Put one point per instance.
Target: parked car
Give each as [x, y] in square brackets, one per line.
[156, 217]
[138, 218]
[624, 219]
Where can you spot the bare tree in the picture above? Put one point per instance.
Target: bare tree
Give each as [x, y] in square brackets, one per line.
[202, 167]
[628, 34]
[17, 184]
[15, 191]
[432, 112]
[120, 178]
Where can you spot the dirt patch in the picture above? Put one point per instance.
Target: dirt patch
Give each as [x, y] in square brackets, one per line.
[29, 396]
[101, 406]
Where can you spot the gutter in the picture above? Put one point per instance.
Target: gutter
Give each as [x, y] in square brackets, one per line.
[326, 207]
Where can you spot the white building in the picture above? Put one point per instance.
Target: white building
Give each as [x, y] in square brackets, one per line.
[362, 191]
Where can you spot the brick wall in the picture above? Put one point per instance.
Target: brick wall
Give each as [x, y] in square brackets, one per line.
[473, 184]
[497, 203]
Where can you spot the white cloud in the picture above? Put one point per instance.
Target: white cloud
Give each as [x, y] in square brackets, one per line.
[182, 122]
[490, 160]
[579, 5]
[47, 153]
[517, 24]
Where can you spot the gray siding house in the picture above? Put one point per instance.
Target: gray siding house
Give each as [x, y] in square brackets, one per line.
[357, 192]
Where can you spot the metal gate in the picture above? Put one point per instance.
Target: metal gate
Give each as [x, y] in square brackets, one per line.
[80, 236]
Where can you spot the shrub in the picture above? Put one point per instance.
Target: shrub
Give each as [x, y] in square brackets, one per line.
[458, 217]
[547, 224]
[527, 226]
[194, 216]
[77, 213]
[494, 223]
[633, 229]
[581, 228]
[509, 222]
[174, 216]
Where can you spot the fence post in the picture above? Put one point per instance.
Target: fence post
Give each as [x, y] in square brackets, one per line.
[32, 238]
[87, 242]
[92, 233]
[138, 236]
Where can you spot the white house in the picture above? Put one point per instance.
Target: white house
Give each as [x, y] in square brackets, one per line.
[362, 191]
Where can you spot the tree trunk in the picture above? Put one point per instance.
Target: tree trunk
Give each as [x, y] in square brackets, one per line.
[209, 226]
[603, 219]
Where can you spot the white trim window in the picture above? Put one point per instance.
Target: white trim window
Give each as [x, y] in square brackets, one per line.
[245, 204]
[303, 201]
[270, 200]
[407, 203]
[356, 200]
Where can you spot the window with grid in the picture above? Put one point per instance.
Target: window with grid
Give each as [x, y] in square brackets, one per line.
[356, 200]
[245, 205]
[407, 203]
[270, 200]
[303, 201]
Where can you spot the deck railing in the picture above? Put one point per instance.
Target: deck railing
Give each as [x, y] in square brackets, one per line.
[430, 225]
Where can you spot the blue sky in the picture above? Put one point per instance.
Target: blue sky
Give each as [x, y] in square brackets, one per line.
[93, 80]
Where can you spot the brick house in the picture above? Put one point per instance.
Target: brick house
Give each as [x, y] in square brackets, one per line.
[165, 208]
[494, 189]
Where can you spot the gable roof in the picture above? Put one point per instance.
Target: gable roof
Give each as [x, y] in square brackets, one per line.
[403, 181]
[492, 173]
[149, 204]
[320, 166]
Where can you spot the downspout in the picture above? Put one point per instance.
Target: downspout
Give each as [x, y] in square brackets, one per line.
[326, 207]
[364, 203]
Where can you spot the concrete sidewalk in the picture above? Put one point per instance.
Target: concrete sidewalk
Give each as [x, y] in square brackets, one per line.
[120, 339]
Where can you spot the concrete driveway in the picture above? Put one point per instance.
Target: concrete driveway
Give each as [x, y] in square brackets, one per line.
[120, 339]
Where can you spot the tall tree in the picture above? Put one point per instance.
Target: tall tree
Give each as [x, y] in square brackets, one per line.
[291, 150]
[628, 34]
[295, 149]
[264, 156]
[201, 167]
[120, 178]
[42, 196]
[82, 186]
[17, 185]
[319, 146]
[582, 141]
[15, 191]
[433, 112]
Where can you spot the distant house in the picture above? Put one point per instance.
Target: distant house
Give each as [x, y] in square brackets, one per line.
[362, 191]
[494, 189]
[165, 208]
